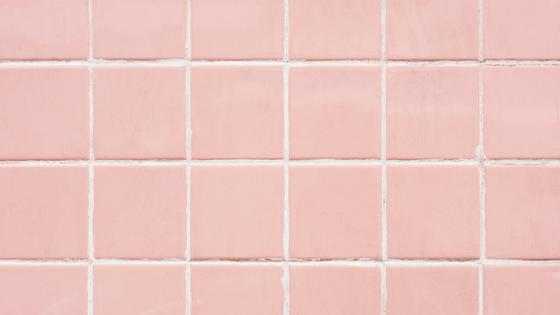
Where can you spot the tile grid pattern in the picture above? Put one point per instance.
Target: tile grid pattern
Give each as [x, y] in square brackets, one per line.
[480, 161]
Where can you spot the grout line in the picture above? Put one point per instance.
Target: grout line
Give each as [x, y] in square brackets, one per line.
[364, 262]
[286, 160]
[384, 156]
[477, 161]
[188, 161]
[184, 62]
[90, 165]
[481, 156]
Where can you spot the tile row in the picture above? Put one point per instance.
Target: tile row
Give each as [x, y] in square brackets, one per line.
[248, 29]
[508, 289]
[237, 212]
[237, 112]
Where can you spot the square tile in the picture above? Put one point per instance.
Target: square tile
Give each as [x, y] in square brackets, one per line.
[521, 29]
[433, 212]
[139, 288]
[140, 211]
[139, 29]
[44, 29]
[140, 112]
[44, 113]
[252, 289]
[519, 289]
[432, 112]
[432, 30]
[335, 212]
[237, 112]
[237, 212]
[521, 207]
[521, 112]
[335, 112]
[43, 289]
[335, 289]
[432, 290]
[43, 211]
[335, 29]
[237, 30]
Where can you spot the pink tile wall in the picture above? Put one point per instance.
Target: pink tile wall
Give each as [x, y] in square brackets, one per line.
[280, 157]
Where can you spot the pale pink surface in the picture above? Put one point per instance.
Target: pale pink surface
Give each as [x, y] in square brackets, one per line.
[521, 112]
[432, 290]
[335, 112]
[522, 211]
[335, 29]
[237, 30]
[520, 289]
[521, 29]
[432, 29]
[140, 211]
[237, 289]
[334, 290]
[237, 212]
[335, 212]
[43, 212]
[123, 289]
[43, 289]
[140, 112]
[237, 112]
[139, 29]
[433, 212]
[44, 113]
[44, 29]
[432, 112]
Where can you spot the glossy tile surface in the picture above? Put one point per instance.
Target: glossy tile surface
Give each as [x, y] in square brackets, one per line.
[237, 212]
[237, 289]
[335, 212]
[433, 212]
[140, 211]
[43, 211]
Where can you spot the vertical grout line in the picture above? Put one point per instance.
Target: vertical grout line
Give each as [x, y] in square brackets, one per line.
[90, 164]
[286, 240]
[189, 160]
[384, 155]
[481, 158]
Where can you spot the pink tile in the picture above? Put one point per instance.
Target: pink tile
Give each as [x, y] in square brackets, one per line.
[44, 112]
[521, 112]
[237, 30]
[139, 289]
[432, 290]
[521, 207]
[335, 212]
[432, 30]
[519, 289]
[43, 289]
[237, 112]
[237, 212]
[44, 29]
[43, 212]
[335, 29]
[333, 290]
[140, 211]
[521, 29]
[335, 112]
[237, 289]
[432, 112]
[139, 29]
[433, 212]
[140, 112]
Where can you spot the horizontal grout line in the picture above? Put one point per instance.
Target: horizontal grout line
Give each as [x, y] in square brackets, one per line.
[184, 62]
[290, 162]
[425, 262]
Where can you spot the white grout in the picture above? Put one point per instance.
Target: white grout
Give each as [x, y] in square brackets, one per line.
[286, 160]
[481, 156]
[384, 156]
[90, 167]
